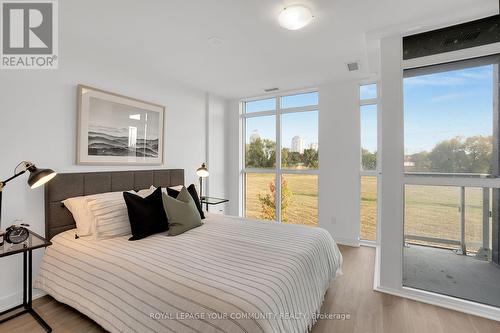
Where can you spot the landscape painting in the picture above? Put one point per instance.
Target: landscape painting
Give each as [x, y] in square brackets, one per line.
[115, 129]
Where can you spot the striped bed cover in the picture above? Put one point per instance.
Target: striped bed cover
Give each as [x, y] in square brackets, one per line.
[229, 275]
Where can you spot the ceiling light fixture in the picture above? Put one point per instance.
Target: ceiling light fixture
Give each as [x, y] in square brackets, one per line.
[295, 17]
[215, 41]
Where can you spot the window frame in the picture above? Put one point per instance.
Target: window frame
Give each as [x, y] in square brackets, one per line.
[445, 67]
[459, 180]
[278, 170]
[378, 170]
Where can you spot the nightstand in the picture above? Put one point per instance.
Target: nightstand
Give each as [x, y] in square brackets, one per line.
[33, 242]
[212, 201]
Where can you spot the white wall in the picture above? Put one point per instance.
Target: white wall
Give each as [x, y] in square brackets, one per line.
[339, 143]
[216, 150]
[38, 123]
[233, 153]
[391, 203]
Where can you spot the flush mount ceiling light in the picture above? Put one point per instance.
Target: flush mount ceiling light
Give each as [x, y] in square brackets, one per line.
[295, 17]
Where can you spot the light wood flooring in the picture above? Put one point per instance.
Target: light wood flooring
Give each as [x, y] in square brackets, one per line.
[351, 294]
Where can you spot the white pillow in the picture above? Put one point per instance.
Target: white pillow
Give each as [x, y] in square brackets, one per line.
[83, 217]
[102, 215]
[177, 188]
[144, 193]
[110, 215]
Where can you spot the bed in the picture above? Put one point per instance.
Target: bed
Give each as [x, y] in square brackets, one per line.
[229, 275]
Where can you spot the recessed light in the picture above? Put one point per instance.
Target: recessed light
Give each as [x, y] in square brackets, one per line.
[295, 17]
[413, 29]
[216, 41]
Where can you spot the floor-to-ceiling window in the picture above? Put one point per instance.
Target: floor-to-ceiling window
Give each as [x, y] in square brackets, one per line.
[280, 158]
[451, 179]
[369, 171]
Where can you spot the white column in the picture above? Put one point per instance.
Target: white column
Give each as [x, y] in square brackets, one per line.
[339, 161]
[391, 194]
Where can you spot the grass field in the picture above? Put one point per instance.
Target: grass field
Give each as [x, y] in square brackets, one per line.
[434, 211]
[431, 211]
[304, 201]
[368, 211]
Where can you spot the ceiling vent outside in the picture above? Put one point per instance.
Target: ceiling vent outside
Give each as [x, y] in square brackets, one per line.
[353, 66]
[462, 38]
[271, 89]
[458, 37]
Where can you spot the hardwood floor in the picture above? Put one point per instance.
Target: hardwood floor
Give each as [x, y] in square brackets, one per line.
[377, 312]
[351, 294]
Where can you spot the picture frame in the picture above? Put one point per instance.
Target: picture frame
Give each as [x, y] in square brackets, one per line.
[118, 130]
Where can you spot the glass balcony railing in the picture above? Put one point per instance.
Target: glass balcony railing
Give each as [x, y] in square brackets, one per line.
[453, 217]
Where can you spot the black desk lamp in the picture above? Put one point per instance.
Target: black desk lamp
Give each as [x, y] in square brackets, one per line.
[202, 172]
[37, 178]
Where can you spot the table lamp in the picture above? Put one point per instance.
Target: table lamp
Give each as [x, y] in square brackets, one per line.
[202, 172]
[36, 178]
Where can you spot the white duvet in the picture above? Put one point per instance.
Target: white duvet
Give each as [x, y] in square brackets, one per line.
[229, 275]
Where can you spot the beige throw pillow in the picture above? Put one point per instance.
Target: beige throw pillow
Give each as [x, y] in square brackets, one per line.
[181, 212]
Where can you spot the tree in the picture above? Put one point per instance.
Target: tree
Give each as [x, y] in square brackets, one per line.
[310, 158]
[268, 201]
[285, 152]
[368, 159]
[261, 153]
[270, 153]
[449, 156]
[469, 155]
[422, 161]
[478, 149]
[294, 158]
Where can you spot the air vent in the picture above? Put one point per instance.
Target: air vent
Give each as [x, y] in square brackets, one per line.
[271, 89]
[353, 66]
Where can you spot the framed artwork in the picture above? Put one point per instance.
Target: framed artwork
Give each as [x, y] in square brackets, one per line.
[115, 129]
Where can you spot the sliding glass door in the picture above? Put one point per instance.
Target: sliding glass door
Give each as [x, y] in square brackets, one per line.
[451, 179]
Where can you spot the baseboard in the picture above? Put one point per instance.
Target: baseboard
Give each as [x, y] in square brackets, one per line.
[376, 271]
[368, 243]
[346, 241]
[444, 301]
[16, 298]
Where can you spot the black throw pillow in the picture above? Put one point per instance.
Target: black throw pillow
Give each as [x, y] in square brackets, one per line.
[192, 190]
[146, 215]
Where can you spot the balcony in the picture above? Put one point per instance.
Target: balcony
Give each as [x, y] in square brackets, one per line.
[449, 239]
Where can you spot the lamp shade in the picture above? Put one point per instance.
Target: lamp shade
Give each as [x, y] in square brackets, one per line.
[202, 171]
[39, 177]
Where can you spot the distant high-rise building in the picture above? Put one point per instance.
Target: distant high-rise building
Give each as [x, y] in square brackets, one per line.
[255, 136]
[314, 146]
[298, 144]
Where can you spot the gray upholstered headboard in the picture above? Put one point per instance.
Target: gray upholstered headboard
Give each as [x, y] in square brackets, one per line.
[67, 185]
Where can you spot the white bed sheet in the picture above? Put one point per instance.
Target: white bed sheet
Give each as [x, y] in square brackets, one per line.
[229, 275]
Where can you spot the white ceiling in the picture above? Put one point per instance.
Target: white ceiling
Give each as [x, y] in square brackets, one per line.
[171, 39]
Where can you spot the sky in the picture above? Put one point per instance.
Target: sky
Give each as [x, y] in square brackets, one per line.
[444, 105]
[304, 124]
[437, 107]
[369, 127]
